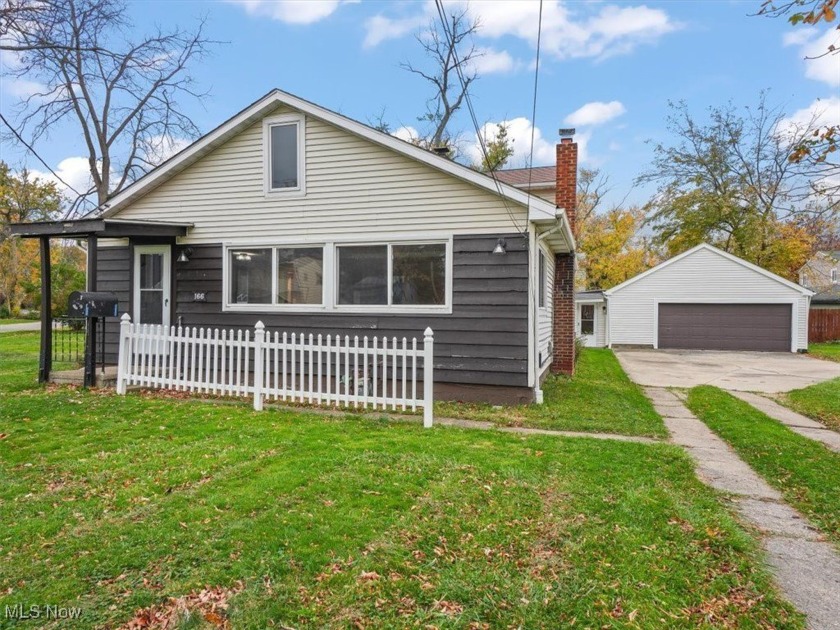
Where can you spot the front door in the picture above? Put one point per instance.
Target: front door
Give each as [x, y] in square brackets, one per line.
[152, 267]
[586, 323]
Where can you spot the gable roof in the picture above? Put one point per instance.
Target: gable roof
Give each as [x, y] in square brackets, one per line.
[719, 252]
[539, 209]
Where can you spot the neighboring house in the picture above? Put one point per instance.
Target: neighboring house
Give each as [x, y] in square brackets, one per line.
[312, 222]
[540, 180]
[821, 274]
[703, 299]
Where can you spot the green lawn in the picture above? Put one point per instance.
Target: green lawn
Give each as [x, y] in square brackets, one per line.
[599, 398]
[114, 504]
[805, 471]
[829, 350]
[820, 401]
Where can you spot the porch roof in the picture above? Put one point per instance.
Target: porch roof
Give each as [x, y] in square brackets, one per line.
[104, 228]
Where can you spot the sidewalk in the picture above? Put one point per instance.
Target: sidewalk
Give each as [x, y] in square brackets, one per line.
[20, 327]
[807, 569]
[794, 421]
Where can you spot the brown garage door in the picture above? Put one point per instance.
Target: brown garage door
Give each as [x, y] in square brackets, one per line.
[725, 326]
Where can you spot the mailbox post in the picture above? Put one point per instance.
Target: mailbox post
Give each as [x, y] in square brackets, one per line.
[93, 305]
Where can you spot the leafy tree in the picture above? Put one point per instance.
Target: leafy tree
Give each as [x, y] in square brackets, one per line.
[820, 147]
[451, 52]
[499, 150]
[612, 249]
[730, 182]
[23, 198]
[121, 94]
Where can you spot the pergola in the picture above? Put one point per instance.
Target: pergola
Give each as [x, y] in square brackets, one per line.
[90, 230]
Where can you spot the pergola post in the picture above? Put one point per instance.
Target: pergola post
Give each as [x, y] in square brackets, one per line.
[45, 358]
[90, 333]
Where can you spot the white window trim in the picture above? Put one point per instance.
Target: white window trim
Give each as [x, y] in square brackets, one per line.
[287, 119]
[330, 279]
[235, 307]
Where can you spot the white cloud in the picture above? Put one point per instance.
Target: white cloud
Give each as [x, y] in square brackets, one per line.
[822, 112]
[161, 148]
[291, 11]
[490, 61]
[591, 30]
[820, 64]
[380, 28]
[519, 133]
[22, 88]
[407, 133]
[595, 113]
[73, 170]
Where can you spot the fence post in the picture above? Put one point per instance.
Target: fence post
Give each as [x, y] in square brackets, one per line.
[428, 377]
[259, 344]
[122, 357]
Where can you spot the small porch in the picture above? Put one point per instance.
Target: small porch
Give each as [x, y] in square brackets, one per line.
[54, 331]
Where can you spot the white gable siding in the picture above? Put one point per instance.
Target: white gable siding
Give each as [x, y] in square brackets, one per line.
[545, 316]
[353, 187]
[703, 276]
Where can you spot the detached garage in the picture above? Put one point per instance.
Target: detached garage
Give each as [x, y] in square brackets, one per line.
[706, 299]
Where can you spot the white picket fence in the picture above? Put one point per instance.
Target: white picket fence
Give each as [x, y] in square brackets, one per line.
[375, 373]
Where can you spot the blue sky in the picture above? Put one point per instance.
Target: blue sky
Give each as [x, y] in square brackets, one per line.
[607, 68]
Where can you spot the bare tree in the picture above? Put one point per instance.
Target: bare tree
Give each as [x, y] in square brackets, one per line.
[592, 186]
[122, 95]
[449, 52]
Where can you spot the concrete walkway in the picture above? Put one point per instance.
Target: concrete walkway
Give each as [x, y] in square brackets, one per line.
[20, 327]
[807, 569]
[796, 422]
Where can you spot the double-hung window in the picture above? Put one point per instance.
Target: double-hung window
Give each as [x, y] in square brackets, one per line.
[392, 274]
[283, 138]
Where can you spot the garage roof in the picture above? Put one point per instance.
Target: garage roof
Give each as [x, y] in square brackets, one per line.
[720, 252]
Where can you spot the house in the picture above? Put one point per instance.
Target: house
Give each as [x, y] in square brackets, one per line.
[821, 274]
[311, 222]
[703, 299]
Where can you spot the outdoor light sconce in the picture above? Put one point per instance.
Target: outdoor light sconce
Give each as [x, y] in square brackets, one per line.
[184, 256]
[501, 247]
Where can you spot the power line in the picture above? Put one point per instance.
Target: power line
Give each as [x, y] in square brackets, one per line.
[534, 109]
[450, 36]
[40, 159]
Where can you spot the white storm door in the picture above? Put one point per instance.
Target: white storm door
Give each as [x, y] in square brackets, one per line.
[152, 281]
[587, 314]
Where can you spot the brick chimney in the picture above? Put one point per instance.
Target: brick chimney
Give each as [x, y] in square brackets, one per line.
[565, 192]
[564, 275]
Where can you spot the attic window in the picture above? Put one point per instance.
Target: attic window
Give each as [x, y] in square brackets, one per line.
[283, 142]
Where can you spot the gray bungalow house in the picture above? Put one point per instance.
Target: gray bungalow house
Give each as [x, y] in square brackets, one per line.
[312, 222]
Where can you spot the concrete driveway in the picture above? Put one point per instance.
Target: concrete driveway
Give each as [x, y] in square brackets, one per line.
[768, 372]
[20, 327]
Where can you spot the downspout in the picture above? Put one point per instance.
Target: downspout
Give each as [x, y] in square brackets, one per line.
[538, 393]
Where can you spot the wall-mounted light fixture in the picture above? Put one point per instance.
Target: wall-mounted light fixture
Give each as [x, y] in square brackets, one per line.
[184, 256]
[501, 247]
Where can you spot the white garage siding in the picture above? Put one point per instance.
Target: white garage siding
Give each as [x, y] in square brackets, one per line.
[704, 274]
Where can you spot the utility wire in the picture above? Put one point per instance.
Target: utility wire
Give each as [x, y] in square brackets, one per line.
[451, 39]
[534, 109]
[40, 159]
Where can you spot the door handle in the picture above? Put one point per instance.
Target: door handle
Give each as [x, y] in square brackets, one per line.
[166, 301]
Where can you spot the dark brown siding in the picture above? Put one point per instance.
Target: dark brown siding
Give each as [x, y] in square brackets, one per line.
[484, 341]
[764, 327]
[113, 270]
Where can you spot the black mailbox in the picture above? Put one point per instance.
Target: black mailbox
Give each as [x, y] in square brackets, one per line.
[92, 304]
